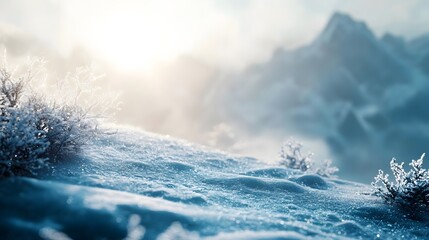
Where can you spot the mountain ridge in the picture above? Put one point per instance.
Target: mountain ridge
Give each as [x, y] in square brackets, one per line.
[303, 91]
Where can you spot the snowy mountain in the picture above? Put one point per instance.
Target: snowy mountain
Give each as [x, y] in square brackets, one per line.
[347, 87]
[137, 185]
[419, 47]
[351, 46]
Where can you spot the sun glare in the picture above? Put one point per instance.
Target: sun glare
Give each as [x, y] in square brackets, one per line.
[136, 40]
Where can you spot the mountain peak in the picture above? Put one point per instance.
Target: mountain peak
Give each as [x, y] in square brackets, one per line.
[341, 18]
[341, 24]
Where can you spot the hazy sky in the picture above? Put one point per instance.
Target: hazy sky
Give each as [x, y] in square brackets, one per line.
[138, 34]
[217, 36]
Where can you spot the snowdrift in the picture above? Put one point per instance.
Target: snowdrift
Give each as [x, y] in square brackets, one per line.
[138, 185]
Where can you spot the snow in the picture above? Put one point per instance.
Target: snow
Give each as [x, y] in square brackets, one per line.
[133, 183]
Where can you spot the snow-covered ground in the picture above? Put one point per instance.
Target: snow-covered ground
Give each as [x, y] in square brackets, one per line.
[144, 186]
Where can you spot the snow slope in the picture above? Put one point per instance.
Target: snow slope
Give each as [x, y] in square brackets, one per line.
[132, 180]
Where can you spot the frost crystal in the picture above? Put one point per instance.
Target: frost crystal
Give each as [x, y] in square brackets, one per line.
[410, 189]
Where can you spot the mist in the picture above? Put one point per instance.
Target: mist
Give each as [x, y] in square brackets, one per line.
[230, 75]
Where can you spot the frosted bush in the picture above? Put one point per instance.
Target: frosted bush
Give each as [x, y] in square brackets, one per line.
[22, 145]
[325, 168]
[36, 130]
[410, 189]
[65, 127]
[292, 157]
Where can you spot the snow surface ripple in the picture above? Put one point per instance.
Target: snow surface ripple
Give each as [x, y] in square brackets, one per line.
[178, 190]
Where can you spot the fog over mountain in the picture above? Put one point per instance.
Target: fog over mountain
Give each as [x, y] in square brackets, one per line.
[364, 96]
[215, 119]
[348, 94]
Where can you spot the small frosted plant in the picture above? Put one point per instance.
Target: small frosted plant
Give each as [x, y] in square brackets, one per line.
[410, 189]
[292, 157]
[34, 129]
[326, 169]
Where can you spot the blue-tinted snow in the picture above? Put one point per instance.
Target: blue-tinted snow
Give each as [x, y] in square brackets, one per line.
[140, 184]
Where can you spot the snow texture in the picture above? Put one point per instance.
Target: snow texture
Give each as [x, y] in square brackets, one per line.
[137, 185]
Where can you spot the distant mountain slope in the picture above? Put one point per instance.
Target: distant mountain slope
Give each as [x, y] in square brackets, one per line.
[345, 74]
[420, 48]
[346, 63]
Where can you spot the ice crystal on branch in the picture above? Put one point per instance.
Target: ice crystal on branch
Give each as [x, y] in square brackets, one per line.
[410, 189]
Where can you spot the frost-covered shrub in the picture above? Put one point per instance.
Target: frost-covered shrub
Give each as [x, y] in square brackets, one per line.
[410, 189]
[325, 168]
[66, 128]
[292, 157]
[22, 145]
[35, 129]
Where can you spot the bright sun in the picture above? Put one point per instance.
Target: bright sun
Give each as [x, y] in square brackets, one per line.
[136, 39]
